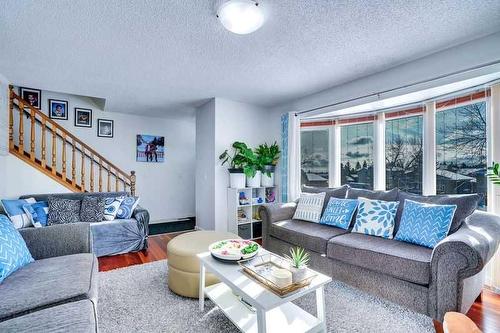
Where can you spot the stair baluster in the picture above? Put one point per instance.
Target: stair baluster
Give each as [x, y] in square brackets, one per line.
[32, 135]
[21, 127]
[82, 180]
[63, 173]
[54, 151]
[91, 172]
[44, 144]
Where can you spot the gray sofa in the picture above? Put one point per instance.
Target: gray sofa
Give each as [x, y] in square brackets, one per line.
[57, 292]
[430, 281]
[112, 237]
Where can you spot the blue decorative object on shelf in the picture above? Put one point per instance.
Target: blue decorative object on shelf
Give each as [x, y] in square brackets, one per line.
[14, 253]
[425, 224]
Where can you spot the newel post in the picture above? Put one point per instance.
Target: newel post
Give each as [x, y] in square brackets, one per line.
[132, 183]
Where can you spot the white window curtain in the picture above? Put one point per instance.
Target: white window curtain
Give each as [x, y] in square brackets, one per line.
[293, 182]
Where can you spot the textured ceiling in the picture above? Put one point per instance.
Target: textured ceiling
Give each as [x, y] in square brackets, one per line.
[161, 56]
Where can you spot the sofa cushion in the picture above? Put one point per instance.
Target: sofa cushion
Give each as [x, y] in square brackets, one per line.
[15, 212]
[75, 317]
[14, 253]
[309, 207]
[339, 213]
[127, 207]
[111, 206]
[375, 217]
[92, 209]
[63, 211]
[425, 224]
[311, 236]
[330, 192]
[391, 195]
[387, 256]
[466, 205]
[47, 282]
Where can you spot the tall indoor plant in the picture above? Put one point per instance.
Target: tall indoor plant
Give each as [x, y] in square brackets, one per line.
[268, 157]
[243, 164]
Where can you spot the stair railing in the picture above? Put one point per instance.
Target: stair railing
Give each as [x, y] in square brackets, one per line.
[43, 132]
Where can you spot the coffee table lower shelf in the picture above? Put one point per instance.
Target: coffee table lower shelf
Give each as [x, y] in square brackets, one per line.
[285, 318]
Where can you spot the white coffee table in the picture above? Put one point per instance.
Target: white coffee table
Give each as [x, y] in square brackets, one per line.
[270, 312]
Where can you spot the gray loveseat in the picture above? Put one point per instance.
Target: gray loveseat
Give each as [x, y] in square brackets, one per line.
[111, 237]
[57, 292]
[430, 281]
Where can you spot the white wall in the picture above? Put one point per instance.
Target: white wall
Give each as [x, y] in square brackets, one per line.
[205, 169]
[219, 123]
[472, 54]
[4, 129]
[166, 189]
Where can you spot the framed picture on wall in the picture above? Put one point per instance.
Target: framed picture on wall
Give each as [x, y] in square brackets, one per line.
[150, 148]
[58, 109]
[32, 96]
[105, 128]
[83, 117]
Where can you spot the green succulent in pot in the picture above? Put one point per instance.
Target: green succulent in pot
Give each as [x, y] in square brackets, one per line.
[298, 259]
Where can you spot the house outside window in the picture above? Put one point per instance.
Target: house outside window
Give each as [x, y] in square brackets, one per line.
[357, 155]
[314, 154]
[461, 150]
[404, 154]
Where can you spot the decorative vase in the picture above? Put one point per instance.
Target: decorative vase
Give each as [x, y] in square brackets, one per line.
[298, 274]
[268, 181]
[236, 178]
[255, 180]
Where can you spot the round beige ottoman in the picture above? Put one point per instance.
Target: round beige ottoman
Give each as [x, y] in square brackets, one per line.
[183, 264]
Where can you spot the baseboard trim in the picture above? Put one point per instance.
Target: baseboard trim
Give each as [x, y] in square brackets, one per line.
[157, 228]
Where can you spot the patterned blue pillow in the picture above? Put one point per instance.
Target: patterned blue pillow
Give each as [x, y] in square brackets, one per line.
[425, 224]
[14, 253]
[111, 206]
[376, 217]
[339, 212]
[14, 210]
[37, 213]
[127, 207]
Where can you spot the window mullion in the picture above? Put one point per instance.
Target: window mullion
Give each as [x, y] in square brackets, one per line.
[379, 153]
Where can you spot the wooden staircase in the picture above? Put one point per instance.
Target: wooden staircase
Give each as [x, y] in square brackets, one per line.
[88, 170]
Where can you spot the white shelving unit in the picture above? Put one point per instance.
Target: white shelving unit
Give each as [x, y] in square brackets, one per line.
[243, 217]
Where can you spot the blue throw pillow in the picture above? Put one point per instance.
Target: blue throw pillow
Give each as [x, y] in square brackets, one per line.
[127, 207]
[37, 213]
[339, 212]
[14, 253]
[14, 210]
[376, 217]
[425, 224]
[111, 206]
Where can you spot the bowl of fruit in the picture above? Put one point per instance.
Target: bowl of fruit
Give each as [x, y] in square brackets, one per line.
[233, 250]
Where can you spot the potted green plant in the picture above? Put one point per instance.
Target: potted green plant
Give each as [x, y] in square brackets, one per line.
[242, 164]
[299, 259]
[268, 157]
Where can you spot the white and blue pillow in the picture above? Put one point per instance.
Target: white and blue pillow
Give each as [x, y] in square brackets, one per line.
[376, 217]
[14, 210]
[111, 206]
[14, 253]
[38, 213]
[425, 224]
[309, 207]
[339, 212]
[127, 207]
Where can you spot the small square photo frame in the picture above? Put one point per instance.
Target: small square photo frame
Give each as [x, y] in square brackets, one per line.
[83, 117]
[58, 109]
[105, 128]
[32, 96]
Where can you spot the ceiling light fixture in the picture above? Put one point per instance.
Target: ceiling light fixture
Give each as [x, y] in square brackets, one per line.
[240, 16]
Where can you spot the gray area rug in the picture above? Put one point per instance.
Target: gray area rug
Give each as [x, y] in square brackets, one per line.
[137, 299]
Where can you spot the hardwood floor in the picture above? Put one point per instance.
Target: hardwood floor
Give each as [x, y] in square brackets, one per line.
[485, 312]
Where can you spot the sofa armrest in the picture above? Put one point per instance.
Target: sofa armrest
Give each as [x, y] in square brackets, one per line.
[274, 213]
[461, 255]
[58, 240]
[142, 217]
